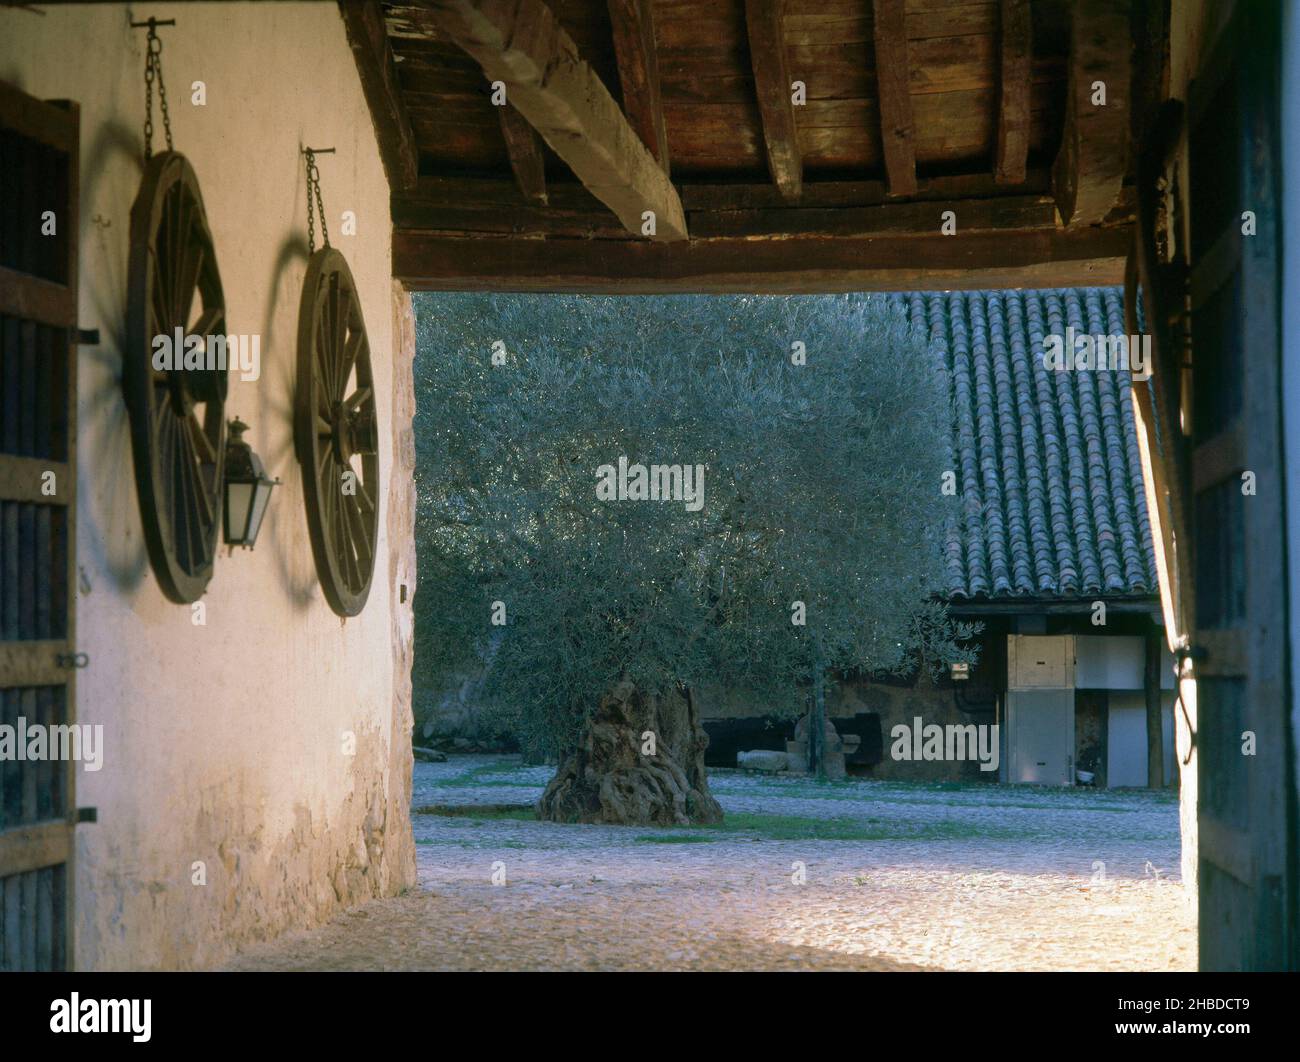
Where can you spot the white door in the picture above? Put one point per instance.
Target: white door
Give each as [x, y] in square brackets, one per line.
[1041, 738]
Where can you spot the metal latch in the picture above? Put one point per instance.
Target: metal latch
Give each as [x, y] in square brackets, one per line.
[73, 660]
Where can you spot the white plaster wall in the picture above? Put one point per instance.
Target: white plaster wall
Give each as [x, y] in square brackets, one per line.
[224, 742]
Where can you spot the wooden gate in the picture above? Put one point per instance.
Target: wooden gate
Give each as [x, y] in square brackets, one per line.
[38, 489]
[1238, 609]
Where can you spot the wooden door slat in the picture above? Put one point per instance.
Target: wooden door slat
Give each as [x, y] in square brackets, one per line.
[33, 663]
[33, 847]
[21, 480]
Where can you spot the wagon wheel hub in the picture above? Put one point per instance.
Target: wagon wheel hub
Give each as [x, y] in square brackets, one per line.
[353, 431]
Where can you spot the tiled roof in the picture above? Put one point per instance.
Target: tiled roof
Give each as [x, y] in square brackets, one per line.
[1047, 461]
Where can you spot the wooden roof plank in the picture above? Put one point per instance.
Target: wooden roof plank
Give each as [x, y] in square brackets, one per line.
[633, 30]
[772, 87]
[521, 44]
[368, 38]
[1015, 47]
[897, 130]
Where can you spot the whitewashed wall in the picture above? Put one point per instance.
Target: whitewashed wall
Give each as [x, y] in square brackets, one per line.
[225, 742]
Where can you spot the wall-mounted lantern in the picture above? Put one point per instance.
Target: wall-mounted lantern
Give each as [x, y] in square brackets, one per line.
[248, 489]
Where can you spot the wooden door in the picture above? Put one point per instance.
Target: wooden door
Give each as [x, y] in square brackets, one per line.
[1238, 608]
[38, 489]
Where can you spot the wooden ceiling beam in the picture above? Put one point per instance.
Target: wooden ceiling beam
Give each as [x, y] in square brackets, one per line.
[575, 214]
[772, 87]
[897, 130]
[524, 148]
[520, 43]
[1015, 46]
[1012, 214]
[1089, 169]
[1042, 258]
[709, 196]
[368, 38]
[633, 28]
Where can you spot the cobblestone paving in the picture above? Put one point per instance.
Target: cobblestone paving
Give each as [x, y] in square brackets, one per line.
[894, 876]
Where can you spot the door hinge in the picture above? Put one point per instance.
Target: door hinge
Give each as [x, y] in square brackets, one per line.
[87, 814]
[73, 660]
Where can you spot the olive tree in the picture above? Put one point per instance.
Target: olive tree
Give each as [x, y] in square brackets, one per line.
[621, 499]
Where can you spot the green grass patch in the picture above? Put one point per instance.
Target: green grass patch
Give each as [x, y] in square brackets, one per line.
[676, 838]
[741, 825]
[494, 812]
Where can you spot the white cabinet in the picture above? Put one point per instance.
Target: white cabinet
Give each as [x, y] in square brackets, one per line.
[1040, 661]
[1109, 662]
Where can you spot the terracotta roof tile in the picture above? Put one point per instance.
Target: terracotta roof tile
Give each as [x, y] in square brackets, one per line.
[1046, 462]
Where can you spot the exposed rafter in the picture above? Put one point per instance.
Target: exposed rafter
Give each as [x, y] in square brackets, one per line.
[522, 45]
[368, 38]
[1015, 47]
[897, 130]
[772, 87]
[524, 147]
[633, 28]
[1089, 169]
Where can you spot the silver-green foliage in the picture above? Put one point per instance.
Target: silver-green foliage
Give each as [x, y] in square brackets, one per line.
[821, 485]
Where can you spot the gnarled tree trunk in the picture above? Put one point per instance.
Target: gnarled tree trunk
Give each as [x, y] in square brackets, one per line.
[608, 778]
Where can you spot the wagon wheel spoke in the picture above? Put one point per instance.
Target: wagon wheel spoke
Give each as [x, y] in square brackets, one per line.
[207, 321]
[163, 447]
[324, 407]
[359, 396]
[350, 348]
[177, 490]
[192, 499]
[188, 265]
[160, 295]
[324, 366]
[179, 252]
[342, 533]
[202, 444]
[363, 497]
[360, 530]
[338, 333]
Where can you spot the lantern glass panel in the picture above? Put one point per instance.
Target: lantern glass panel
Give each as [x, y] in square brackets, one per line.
[261, 496]
[239, 503]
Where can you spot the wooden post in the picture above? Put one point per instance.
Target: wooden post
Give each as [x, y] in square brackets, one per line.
[1155, 713]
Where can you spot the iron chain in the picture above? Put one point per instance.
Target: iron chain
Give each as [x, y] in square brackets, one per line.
[313, 189]
[152, 71]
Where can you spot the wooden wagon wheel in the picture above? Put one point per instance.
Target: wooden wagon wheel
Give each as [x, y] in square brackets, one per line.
[336, 432]
[178, 427]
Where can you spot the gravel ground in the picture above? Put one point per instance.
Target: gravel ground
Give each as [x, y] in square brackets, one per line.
[851, 875]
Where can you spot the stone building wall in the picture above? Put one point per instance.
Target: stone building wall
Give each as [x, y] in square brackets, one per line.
[228, 746]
